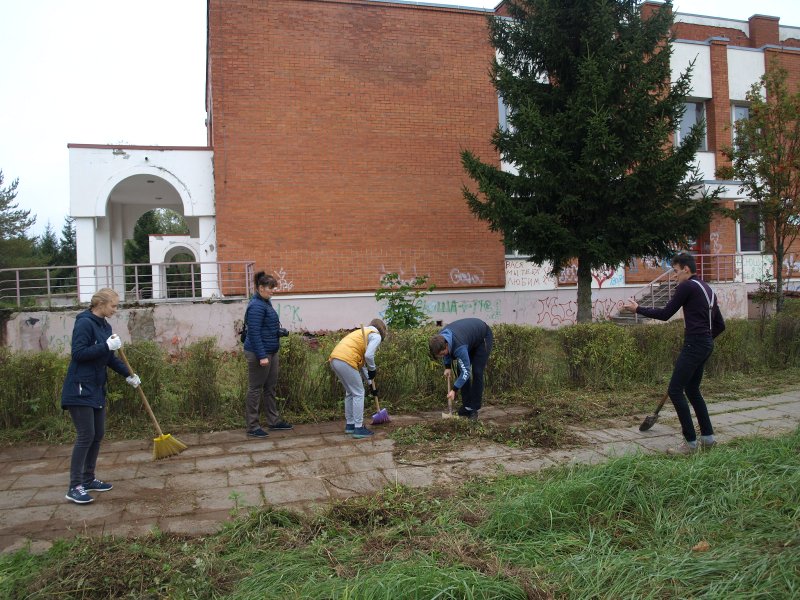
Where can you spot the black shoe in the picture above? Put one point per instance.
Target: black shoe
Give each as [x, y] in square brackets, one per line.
[281, 426]
[257, 433]
[467, 413]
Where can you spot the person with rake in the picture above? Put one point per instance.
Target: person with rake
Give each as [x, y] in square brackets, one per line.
[702, 323]
[353, 361]
[84, 391]
[468, 343]
[261, 350]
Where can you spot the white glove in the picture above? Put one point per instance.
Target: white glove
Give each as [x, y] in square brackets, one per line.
[134, 380]
[114, 343]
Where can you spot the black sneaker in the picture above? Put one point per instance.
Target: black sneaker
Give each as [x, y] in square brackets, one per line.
[361, 432]
[78, 495]
[281, 426]
[97, 486]
[467, 413]
[257, 433]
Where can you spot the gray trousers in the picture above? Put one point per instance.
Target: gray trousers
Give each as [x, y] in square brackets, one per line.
[261, 383]
[353, 392]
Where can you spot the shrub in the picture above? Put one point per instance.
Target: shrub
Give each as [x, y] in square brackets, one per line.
[600, 356]
[404, 300]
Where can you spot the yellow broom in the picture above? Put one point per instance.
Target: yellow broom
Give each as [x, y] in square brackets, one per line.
[163, 445]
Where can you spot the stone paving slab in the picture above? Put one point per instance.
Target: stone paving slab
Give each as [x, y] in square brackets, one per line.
[223, 473]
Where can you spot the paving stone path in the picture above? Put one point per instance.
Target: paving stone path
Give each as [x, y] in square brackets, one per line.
[222, 472]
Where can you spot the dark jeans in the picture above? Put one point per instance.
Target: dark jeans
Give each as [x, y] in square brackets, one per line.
[472, 391]
[90, 424]
[687, 375]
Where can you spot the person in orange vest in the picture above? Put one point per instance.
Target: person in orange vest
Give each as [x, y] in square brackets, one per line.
[353, 361]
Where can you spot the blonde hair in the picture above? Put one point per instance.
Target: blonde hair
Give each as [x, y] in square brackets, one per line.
[103, 296]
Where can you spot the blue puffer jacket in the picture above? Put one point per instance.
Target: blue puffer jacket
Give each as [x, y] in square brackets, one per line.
[262, 327]
[85, 384]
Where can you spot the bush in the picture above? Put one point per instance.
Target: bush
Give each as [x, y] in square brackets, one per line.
[600, 356]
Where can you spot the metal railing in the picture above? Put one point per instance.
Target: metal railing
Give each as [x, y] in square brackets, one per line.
[156, 282]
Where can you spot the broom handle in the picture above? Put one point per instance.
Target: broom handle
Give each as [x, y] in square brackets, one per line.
[378, 406]
[141, 393]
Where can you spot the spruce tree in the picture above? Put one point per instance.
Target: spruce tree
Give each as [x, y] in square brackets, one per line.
[590, 109]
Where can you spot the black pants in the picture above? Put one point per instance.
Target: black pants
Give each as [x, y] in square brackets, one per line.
[687, 375]
[472, 391]
[90, 424]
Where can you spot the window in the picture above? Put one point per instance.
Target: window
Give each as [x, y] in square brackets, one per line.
[695, 113]
[739, 112]
[749, 229]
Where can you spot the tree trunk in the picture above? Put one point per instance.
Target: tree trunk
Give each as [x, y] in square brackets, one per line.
[584, 291]
[780, 252]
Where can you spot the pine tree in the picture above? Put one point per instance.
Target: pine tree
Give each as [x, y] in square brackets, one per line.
[47, 246]
[68, 245]
[590, 114]
[16, 248]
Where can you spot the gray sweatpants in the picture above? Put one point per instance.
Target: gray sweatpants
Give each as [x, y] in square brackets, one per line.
[261, 383]
[353, 392]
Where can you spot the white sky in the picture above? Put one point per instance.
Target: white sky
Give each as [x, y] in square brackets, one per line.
[133, 72]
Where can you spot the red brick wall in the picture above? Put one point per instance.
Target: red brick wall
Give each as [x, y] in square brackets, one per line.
[337, 132]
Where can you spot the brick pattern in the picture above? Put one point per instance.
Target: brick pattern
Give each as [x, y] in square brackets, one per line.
[337, 134]
[337, 127]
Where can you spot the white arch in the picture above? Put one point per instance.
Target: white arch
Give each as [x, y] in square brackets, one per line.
[105, 189]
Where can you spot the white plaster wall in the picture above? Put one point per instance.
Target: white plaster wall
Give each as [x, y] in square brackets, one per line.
[682, 55]
[745, 67]
[93, 173]
[707, 161]
[174, 325]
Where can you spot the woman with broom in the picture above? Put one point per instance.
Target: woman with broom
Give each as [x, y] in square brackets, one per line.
[353, 361]
[84, 391]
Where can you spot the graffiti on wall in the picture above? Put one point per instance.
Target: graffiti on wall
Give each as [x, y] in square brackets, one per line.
[471, 276]
[284, 284]
[527, 275]
[553, 312]
[289, 314]
[490, 309]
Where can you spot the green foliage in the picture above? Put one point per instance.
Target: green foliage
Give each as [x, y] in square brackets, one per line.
[404, 300]
[590, 114]
[575, 373]
[14, 222]
[765, 158]
[600, 355]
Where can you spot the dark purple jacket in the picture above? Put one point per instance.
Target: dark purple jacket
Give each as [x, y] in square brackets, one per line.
[694, 302]
[85, 384]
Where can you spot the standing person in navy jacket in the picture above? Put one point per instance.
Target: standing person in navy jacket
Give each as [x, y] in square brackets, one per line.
[703, 322]
[468, 342]
[261, 349]
[84, 391]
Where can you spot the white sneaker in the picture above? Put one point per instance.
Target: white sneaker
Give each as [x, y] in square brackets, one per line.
[682, 449]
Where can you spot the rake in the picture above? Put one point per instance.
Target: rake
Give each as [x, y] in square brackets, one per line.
[163, 445]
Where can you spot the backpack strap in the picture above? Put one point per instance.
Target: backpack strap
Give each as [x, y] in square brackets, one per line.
[710, 300]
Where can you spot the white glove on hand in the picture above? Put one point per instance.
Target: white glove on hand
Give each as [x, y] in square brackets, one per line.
[133, 380]
[114, 343]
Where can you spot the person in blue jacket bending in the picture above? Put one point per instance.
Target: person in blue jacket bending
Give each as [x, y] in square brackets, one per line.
[464, 345]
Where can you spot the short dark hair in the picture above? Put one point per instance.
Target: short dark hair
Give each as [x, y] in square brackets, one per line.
[261, 278]
[684, 259]
[436, 344]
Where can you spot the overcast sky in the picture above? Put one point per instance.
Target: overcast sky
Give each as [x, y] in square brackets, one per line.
[133, 72]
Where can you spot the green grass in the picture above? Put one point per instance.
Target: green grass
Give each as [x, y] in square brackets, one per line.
[629, 528]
